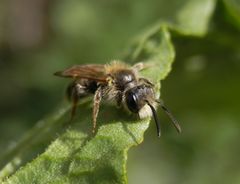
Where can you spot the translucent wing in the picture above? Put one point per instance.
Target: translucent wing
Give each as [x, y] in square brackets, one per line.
[93, 72]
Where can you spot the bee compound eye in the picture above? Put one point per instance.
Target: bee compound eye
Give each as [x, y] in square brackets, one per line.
[131, 100]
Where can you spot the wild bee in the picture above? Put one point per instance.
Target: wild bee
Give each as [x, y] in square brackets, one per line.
[116, 82]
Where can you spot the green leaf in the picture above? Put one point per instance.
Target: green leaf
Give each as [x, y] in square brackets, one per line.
[76, 156]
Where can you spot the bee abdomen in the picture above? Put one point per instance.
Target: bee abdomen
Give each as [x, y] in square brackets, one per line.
[80, 88]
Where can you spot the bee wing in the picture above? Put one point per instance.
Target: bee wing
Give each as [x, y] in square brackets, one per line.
[93, 72]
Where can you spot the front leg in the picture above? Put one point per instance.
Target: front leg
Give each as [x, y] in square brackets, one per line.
[141, 66]
[96, 103]
[145, 81]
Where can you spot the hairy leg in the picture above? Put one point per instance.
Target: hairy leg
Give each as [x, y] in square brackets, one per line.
[141, 66]
[74, 92]
[145, 81]
[96, 103]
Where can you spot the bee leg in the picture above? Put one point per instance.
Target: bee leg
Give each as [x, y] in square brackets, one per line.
[141, 66]
[118, 98]
[96, 103]
[74, 107]
[146, 81]
[74, 92]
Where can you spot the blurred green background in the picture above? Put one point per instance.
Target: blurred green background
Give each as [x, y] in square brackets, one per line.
[39, 37]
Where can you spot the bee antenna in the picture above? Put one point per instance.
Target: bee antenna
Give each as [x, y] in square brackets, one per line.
[155, 119]
[167, 111]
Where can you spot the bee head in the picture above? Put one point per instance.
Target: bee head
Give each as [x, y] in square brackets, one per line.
[137, 97]
[141, 99]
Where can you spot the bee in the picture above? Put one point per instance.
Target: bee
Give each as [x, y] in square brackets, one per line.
[117, 82]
